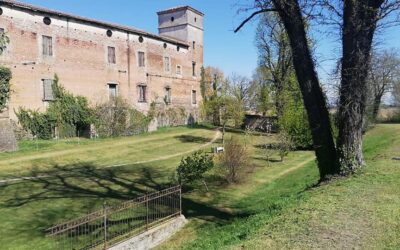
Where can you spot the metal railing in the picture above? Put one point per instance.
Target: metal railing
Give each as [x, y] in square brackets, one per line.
[113, 224]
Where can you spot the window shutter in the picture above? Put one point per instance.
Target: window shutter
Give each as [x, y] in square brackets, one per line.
[48, 90]
[111, 55]
[47, 45]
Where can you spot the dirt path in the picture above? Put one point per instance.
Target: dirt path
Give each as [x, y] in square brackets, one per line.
[166, 157]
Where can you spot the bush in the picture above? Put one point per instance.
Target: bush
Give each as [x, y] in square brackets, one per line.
[118, 118]
[5, 77]
[193, 167]
[234, 160]
[40, 125]
[66, 112]
[285, 145]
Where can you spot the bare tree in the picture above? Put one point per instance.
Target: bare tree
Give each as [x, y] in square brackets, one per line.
[274, 54]
[358, 21]
[239, 88]
[384, 72]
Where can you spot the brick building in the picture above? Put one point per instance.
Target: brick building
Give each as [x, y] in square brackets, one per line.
[99, 60]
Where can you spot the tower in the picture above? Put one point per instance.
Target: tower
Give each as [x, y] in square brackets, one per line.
[182, 23]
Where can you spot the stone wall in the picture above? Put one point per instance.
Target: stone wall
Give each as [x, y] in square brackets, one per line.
[153, 237]
[7, 137]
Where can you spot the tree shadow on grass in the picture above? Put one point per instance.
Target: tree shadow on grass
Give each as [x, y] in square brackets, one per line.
[67, 192]
[192, 139]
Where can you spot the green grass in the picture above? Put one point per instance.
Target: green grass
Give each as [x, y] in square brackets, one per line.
[359, 212]
[273, 207]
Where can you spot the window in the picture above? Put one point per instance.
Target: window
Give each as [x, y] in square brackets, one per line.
[47, 20]
[112, 90]
[142, 93]
[1, 31]
[141, 60]
[194, 101]
[167, 67]
[47, 44]
[48, 94]
[109, 33]
[194, 45]
[178, 69]
[193, 68]
[111, 55]
[167, 95]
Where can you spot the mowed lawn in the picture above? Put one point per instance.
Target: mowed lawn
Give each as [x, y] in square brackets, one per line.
[291, 212]
[275, 206]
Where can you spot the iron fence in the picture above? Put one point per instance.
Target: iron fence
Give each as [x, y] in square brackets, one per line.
[113, 224]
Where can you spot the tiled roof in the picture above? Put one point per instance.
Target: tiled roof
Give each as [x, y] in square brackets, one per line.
[24, 6]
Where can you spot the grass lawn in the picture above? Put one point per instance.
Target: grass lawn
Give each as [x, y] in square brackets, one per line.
[290, 212]
[274, 206]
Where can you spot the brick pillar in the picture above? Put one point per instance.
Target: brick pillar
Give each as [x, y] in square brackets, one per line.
[8, 142]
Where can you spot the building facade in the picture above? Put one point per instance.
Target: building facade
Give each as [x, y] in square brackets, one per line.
[100, 60]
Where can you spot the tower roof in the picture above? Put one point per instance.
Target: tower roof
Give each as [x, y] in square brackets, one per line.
[179, 8]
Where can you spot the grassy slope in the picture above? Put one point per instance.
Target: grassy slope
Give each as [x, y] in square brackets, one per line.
[103, 152]
[361, 212]
[78, 181]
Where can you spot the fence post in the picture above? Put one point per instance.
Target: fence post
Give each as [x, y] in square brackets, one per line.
[147, 212]
[105, 224]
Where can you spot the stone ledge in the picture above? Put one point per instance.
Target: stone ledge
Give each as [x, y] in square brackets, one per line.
[153, 237]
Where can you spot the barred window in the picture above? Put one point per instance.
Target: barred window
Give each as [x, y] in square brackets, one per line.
[142, 93]
[47, 45]
[48, 94]
[111, 55]
[194, 100]
[141, 59]
[167, 67]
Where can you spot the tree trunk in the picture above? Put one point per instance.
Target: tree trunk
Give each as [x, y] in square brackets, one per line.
[314, 99]
[359, 24]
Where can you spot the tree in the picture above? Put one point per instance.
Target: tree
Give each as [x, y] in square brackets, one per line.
[383, 74]
[275, 55]
[193, 167]
[239, 88]
[358, 21]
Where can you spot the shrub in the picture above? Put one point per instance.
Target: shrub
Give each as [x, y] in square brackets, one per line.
[234, 159]
[66, 112]
[285, 145]
[117, 118]
[40, 125]
[5, 77]
[193, 167]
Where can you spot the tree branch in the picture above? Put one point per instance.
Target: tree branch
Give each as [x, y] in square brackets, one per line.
[251, 16]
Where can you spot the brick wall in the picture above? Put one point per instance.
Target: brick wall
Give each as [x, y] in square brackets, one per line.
[80, 60]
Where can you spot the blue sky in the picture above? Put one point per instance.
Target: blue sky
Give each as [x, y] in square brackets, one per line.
[224, 49]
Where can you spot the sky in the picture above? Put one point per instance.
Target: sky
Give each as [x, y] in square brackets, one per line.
[222, 47]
